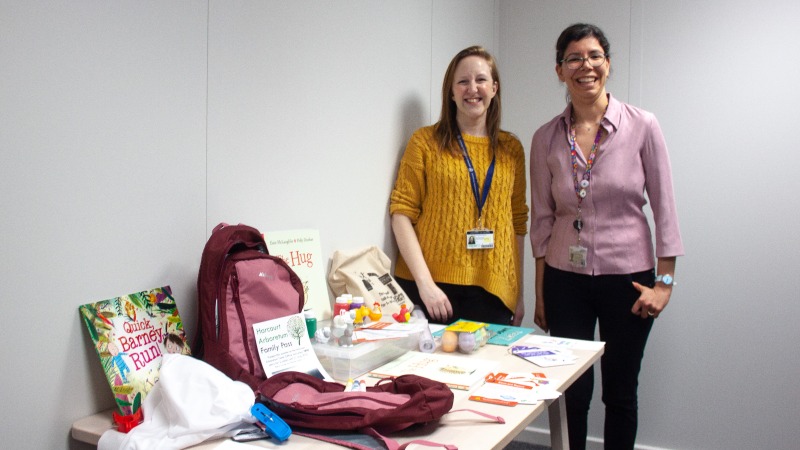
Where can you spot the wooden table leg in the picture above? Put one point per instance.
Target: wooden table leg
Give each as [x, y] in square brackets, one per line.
[557, 413]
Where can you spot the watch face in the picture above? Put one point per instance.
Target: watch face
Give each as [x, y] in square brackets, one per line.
[667, 279]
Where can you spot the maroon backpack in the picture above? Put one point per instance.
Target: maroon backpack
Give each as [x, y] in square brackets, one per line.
[239, 285]
[322, 410]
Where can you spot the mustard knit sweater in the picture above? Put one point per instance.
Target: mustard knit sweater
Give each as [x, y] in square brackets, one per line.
[433, 189]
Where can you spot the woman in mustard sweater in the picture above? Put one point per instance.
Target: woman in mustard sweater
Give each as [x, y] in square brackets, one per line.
[458, 207]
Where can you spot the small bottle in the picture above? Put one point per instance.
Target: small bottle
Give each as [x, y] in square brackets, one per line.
[357, 302]
[311, 322]
[426, 342]
[340, 305]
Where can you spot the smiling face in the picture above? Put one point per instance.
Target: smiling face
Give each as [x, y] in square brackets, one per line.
[585, 83]
[473, 89]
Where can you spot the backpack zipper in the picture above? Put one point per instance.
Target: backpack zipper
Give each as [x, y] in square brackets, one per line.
[242, 321]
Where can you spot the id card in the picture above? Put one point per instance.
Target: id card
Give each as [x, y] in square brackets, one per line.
[479, 239]
[577, 255]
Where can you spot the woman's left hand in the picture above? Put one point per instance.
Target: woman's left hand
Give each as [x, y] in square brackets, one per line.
[652, 301]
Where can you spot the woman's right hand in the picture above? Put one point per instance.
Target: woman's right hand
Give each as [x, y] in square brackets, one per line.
[538, 315]
[436, 302]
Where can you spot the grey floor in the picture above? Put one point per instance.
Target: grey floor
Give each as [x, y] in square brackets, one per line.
[517, 445]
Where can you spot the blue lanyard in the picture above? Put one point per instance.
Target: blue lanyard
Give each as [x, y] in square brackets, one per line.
[479, 200]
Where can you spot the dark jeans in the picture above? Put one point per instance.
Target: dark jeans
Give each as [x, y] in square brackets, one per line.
[468, 302]
[574, 303]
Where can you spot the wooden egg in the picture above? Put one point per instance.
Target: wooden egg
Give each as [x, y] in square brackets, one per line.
[449, 341]
[466, 342]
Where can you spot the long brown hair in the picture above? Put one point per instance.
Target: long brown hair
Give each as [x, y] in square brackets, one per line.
[446, 128]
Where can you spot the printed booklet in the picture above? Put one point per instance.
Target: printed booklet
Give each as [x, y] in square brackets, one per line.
[458, 372]
[510, 389]
[302, 251]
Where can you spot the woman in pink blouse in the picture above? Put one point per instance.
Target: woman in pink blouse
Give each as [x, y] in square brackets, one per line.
[591, 167]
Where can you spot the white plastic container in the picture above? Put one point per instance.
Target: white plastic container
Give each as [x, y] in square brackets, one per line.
[344, 363]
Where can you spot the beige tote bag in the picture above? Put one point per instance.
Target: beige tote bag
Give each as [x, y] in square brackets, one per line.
[366, 273]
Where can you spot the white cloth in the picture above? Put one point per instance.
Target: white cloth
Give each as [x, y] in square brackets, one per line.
[191, 402]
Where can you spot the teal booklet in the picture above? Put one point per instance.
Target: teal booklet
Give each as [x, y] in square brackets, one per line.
[499, 334]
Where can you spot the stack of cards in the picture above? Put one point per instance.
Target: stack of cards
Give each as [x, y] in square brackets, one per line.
[515, 388]
[543, 356]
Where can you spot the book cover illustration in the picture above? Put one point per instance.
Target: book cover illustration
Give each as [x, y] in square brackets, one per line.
[130, 334]
[302, 251]
[458, 372]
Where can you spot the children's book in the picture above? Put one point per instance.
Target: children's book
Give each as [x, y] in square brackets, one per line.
[130, 333]
[458, 372]
[506, 334]
[302, 251]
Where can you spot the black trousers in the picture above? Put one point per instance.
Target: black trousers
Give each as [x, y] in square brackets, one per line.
[574, 303]
[468, 302]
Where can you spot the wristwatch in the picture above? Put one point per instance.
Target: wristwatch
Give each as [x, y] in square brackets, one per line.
[666, 279]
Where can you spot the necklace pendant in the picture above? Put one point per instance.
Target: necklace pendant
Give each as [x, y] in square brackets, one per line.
[584, 184]
[582, 193]
[578, 224]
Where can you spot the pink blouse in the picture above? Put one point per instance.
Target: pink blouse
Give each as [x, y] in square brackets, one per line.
[631, 161]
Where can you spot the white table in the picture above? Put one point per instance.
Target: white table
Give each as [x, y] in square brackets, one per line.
[463, 429]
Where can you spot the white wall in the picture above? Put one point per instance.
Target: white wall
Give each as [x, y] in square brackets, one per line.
[129, 129]
[723, 88]
[721, 361]
[102, 187]
[311, 104]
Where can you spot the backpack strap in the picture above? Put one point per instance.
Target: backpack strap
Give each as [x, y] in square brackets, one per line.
[497, 419]
[358, 440]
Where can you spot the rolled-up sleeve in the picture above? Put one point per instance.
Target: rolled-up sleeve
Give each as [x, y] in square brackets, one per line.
[409, 187]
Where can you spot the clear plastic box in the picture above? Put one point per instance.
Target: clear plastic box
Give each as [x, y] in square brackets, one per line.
[344, 363]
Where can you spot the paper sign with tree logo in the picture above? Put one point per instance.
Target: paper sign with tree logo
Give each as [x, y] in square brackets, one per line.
[283, 345]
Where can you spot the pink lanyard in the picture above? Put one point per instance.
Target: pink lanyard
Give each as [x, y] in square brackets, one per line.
[582, 185]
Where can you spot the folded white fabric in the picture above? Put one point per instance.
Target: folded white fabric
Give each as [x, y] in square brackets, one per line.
[191, 402]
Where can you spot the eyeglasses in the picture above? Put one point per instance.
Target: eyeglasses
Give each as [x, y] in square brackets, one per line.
[575, 62]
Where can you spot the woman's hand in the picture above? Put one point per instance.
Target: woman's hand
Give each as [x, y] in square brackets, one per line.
[651, 301]
[519, 313]
[436, 302]
[538, 315]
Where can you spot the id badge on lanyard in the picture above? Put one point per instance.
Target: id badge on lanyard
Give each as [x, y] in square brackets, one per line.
[478, 238]
[578, 254]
